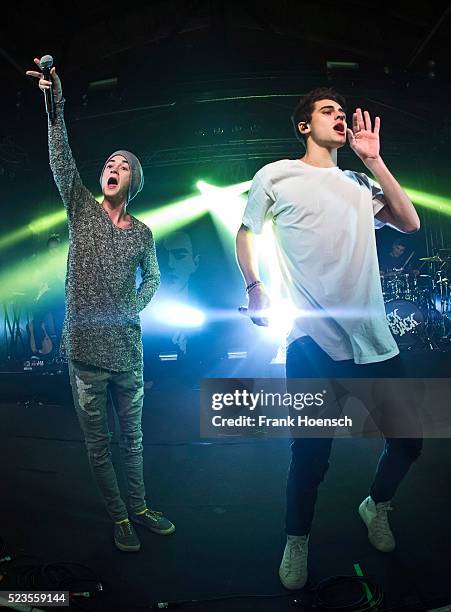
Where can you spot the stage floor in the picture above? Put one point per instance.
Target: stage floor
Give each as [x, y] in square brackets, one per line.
[227, 501]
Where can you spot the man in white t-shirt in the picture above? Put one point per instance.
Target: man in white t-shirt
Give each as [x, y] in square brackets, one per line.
[323, 220]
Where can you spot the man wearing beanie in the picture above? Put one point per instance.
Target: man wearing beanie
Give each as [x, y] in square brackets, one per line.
[102, 331]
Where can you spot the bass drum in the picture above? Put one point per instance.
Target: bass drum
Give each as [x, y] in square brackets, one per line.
[406, 322]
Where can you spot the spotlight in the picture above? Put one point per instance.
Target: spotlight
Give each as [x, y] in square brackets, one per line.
[280, 316]
[177, 314]
[167, 356]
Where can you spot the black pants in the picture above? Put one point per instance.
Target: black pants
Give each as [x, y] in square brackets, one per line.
[310, 456]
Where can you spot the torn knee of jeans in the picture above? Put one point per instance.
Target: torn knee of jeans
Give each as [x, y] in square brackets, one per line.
[138, 394]
[132, 443]
[84, 397]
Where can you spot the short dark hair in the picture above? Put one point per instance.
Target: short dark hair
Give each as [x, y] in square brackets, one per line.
[399, 242]
[304, 109]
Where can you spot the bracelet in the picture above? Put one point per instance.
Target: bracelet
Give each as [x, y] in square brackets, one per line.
[252, 285]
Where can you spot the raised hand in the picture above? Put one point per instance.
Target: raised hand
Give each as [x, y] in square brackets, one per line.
[363, 140]
[43, 84]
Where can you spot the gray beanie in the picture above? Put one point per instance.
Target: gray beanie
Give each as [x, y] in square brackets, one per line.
[136, 178]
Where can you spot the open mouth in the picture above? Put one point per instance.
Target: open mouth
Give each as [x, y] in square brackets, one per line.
[339, 128]
[112, 181]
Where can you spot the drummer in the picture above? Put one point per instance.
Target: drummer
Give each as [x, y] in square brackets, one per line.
[392, 262]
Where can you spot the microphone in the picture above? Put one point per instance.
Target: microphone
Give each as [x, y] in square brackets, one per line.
[46, 63]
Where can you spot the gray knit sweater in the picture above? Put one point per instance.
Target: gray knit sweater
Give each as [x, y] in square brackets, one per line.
[101, 325]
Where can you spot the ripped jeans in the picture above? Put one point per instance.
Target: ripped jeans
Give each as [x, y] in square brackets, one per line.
[90, 385]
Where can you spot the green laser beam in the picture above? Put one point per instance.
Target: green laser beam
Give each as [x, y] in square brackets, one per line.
[433, 202]
[226, 204]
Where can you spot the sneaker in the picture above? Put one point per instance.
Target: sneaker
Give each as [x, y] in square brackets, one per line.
[375, 518]
[293, 568]
[125, 537]
[155, 521]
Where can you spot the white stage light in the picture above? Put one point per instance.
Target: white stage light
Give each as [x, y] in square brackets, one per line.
[178, 314]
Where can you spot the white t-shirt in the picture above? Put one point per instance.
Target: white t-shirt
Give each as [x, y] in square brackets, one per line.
[323, 221]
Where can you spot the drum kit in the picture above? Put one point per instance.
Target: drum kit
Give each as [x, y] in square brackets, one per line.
[418, 305]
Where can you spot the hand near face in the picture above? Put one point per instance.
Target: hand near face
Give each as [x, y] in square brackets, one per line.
[363, 139]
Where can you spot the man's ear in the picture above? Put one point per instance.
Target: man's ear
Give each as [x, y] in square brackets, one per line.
[303, 127]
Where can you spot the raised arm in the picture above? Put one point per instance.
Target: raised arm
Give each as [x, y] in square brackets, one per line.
[258, 300]
[62, 163]
[150, 275]
[398, 211]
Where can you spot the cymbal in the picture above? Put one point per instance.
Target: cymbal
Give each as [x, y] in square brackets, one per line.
[434, 258]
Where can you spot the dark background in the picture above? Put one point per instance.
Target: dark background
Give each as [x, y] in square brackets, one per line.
[205, 89]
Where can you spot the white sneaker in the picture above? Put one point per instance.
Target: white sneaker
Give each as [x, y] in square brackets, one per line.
[293, 568]
[375, 518]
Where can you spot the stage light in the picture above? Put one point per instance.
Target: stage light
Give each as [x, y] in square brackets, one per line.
[24, 279]
[171, 217]
[47, 222]
[37, 226]
[19, 277]
[436, 203]
[423, 199]
[168, 356]
[177, 314]
[225, 204]
[236, 354]
[281, 315]
[40, 225]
